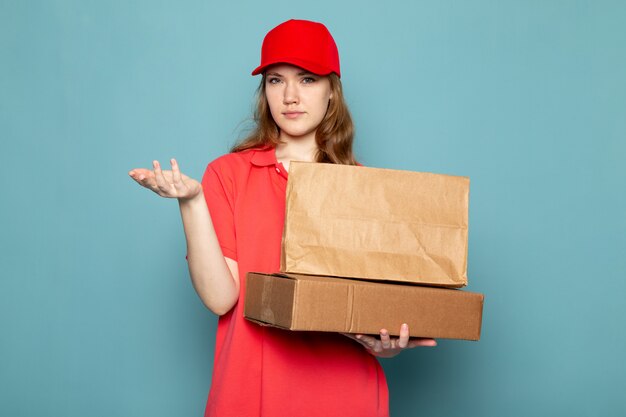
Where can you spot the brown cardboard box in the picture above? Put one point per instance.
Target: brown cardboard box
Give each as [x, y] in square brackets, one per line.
[377, 224]
[301, 302]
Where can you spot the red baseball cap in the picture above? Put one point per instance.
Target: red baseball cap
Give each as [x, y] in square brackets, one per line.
[302, 43]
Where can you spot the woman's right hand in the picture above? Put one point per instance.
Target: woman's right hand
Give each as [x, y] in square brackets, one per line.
[170, 184]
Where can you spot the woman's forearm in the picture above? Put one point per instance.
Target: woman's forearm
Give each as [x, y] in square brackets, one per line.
[211, 276]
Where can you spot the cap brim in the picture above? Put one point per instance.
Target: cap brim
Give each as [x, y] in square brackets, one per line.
[313, 68]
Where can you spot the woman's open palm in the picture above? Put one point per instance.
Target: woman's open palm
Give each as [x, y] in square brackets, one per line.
[170, 184]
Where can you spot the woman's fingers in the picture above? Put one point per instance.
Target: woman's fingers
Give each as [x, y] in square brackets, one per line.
[165, 181]
[385, 340]
[143, 177]
[403, 340]
[138, 174]
[171, 184]
[369, 342]
[176, 177]
[388, 346]
[183, 187]
[160, 179]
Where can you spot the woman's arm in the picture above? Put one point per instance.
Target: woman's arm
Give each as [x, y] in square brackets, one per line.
[214, 277]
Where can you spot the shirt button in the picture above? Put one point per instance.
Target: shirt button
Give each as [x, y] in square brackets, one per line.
[278, 170]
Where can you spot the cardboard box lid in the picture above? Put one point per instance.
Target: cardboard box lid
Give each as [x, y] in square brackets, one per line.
[373, 223]
[316, 303]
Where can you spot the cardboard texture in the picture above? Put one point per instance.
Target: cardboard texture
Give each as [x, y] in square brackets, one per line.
[378, 224]
[314, 303]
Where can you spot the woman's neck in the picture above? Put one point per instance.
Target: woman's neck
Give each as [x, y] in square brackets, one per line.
[296, 150]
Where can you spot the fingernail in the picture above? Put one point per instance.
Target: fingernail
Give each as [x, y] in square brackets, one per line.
[141, 177]
[358, 336]
[405, 326]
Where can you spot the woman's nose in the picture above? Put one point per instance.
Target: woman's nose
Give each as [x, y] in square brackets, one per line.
[290, 95]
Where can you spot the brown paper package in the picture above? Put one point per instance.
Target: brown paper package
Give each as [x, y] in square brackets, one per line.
[377, 224]
[300, 302]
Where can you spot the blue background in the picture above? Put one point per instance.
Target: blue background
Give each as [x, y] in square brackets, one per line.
[528, 98]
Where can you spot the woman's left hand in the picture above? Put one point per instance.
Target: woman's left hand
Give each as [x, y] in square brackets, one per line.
[388, 347]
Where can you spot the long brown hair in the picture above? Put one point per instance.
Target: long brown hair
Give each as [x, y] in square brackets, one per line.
[334, 135]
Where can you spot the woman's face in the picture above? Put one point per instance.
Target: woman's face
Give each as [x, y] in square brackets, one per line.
[298, 100]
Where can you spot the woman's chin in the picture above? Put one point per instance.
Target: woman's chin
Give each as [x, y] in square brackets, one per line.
[297, 135]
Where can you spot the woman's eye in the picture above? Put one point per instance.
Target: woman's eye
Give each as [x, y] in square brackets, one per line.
[308, 80]
[273, 80]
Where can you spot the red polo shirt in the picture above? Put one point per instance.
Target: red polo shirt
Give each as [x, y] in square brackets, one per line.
[263, 371]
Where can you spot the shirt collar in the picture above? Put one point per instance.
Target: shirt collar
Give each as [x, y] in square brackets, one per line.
[264, 157]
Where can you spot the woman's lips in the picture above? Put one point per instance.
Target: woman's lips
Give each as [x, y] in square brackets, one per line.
[293, 114]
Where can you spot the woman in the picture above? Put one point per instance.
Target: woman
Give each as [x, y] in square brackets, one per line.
[233, 224]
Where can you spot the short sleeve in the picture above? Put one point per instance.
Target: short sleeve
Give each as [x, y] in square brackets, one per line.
[218, 188]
